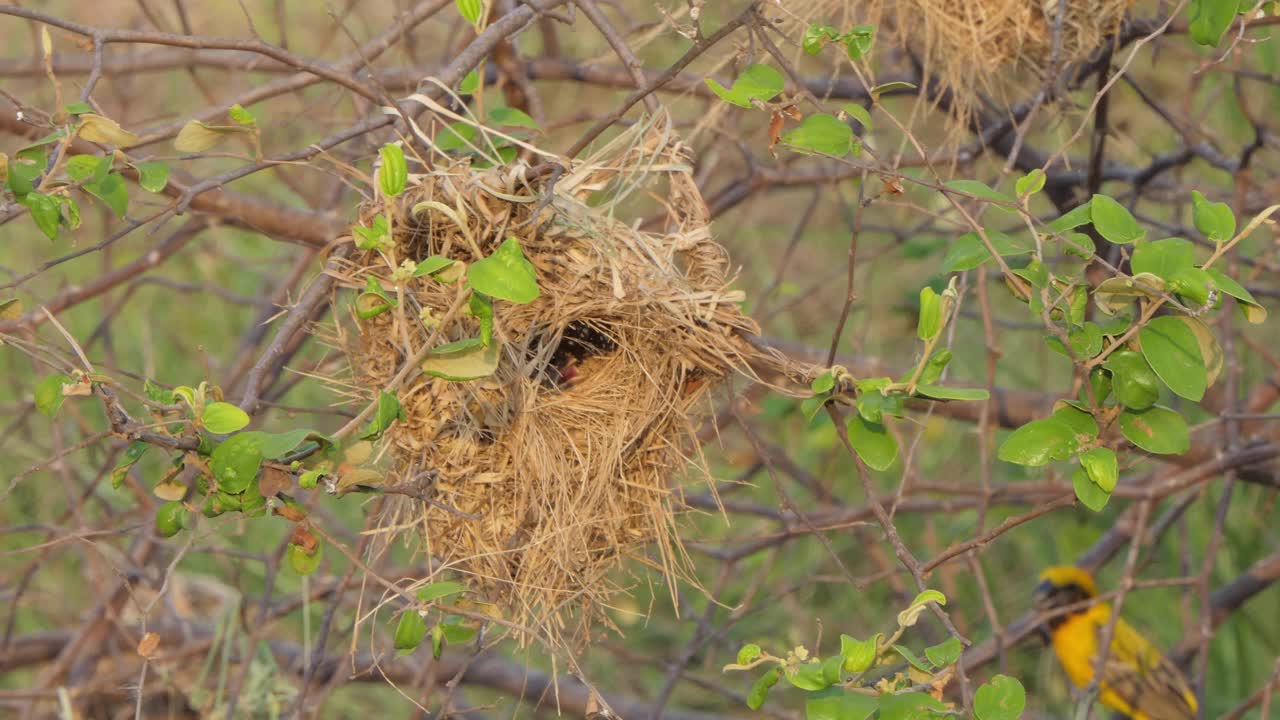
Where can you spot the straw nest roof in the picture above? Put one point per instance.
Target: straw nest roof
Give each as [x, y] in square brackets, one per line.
[546, 474]
[984, 52]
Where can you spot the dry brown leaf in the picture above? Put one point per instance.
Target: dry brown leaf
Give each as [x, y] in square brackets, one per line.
[148, 645]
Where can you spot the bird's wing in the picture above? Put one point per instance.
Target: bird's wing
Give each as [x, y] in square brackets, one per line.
[1147, 681]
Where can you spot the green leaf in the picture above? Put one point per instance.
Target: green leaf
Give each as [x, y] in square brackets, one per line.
[756, 82]
[1039, 442]
[823, 134]
[1102, 467]
[152, 176]
[1003, 698]
[374, 237]
[394, 174]
[1070, 220]
[811, 406]
[437, 590]
[859, 113]
[760, 690]
[1157, 430]
[938, 392]
[836, 704]
[241, 116]
[873, 443]
[969, 252]
[1086, 341]
[1080, 422]
[511, 117]
[1253, 311]
[858, 41]
[890, 87]
[979, 189]
[748, 654]
[933, 371]
[945, 652]
[1163, 258]
[112, 191]
[278, 445]
[1114, 222]
[49, 395]
[1088, 492]
[1214, 219]
[808, 676]
[824, 383]
[1209, 19]
[78, 108]
[908, 706]
[235, 462]
[930, 322]
[859, 655]
[481, 307]
[1133, 381]
[1173, 351]
[1078, 244]
[132, 455]
[908, 617]
[816, 36]
[223, 418]
[456, 633]
[470, 83]
[909, 655]
[44, 212]
[456, 136]
[431, 265]
[471, 10]
[82, 167]
[170, 519]
[301, 562]
[24, 174]
[1030, 184]
[1192, 284]
[1118, 293]
[388, 412]
[410, 631]
[505, 274]
[462, 360]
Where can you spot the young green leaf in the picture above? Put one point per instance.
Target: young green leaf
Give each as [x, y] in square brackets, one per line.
[859, 113]
[152, 176]
[1253, 311]
[49, 395]
[241, 116]
[1209, 19]
[1163, 258]
[760, 690]
[389, 410]
[938, 392]
[858, 41]
[470, 83]
[1030, 184]
[1088, 492]
[171, 517]
[511, 117]
[930, 322]
[816, 36]
[437, 590]
[978, 189]
[1214, 219]
[471, 10]
[1039, 442]
[301, 562]
[1003, 698]
[235, 462]
[505, 274]
[394, 173]
[859, 655]
[908, 617]
[463, 360]
[823, 134]
[1173, 352]
[748, 653]
[481, 308]
[1157, 430]
[945, 652]
[759, 82]
[1100, 463]
[1114, 221]
[132, 455]
[808, 676]
[44, 212]
[1133, 381]
[410, 631]
[837, 704]
[873, 443]
[223, 418]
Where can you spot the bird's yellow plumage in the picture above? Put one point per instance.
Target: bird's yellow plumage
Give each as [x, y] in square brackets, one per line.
[1137, 679]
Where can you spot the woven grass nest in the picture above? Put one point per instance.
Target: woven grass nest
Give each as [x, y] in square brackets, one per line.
[983, 52]
[546, 474]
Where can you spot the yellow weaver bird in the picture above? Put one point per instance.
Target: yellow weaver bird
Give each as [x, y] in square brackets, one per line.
[1137, 679]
